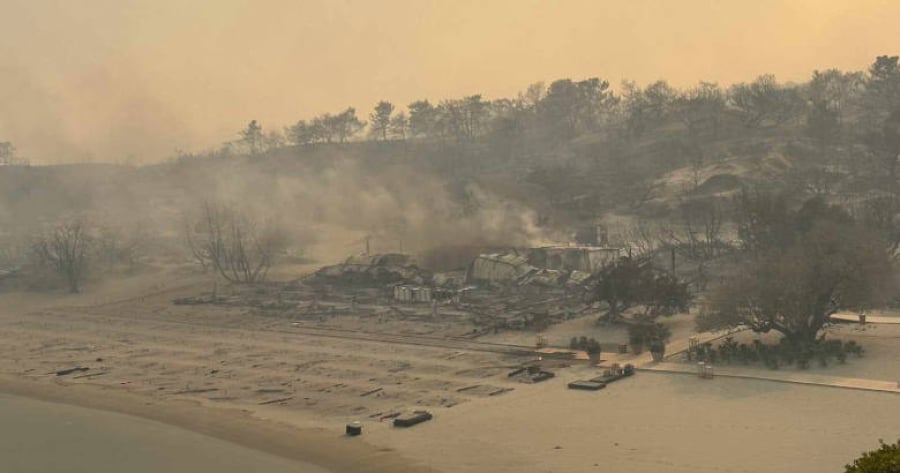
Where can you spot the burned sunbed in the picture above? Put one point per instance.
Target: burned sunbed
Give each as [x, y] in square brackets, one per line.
[531, 374]
[411, 419]
[614, 374]
[587, 385]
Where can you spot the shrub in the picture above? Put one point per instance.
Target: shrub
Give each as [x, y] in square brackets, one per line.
[884, 460]
[784, 353]
[591, 346]
[648, 334]
[853, 347]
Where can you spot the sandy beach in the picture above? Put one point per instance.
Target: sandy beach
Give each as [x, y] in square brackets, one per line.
[250, 380]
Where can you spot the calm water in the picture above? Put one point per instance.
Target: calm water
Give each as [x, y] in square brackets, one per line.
[39, 437]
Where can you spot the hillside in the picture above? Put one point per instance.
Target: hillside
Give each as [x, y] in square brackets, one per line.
[508, 172]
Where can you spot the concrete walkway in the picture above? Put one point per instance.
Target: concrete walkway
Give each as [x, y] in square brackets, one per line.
[785, 376]
[672, 348]
[870, 319]
[644, 362]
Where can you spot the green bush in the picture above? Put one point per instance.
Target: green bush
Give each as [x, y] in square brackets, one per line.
[591, 346]
[784, 353]
[884, 460]
[648, 334]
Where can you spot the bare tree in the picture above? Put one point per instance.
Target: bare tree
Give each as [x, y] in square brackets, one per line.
[196, 244]
[117, 245]
[237, 247]
[701, 233]
[65, 249]
[644, 237]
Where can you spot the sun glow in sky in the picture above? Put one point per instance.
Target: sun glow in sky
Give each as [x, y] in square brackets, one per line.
[109, 80]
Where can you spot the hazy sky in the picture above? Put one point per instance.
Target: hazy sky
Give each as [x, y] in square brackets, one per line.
[117, 79]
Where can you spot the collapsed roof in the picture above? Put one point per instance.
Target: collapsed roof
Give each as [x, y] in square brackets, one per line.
[373, 270]
[547, 266]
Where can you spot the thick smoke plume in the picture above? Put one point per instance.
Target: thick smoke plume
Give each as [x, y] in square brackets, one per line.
[330, 207]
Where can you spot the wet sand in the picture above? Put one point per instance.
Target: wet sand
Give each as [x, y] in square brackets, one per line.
[42, 437]
[300, 444]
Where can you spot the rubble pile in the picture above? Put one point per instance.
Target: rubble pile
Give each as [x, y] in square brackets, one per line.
[371, 271]
[497, 291]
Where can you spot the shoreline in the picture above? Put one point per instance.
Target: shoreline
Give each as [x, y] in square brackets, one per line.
[325, 449]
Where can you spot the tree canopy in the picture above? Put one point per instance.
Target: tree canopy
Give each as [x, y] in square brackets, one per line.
[884, 460]
[380, 120]
[635, 282]
[764, 102]
[794, 287]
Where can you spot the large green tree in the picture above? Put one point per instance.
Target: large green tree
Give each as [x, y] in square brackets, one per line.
[380, 120]
[252, 138]
[764, 103]
[883, 86]
[422, 118]
[795, 286]
[570, 107]
[884, 460]
[635, 282]
[346, 124]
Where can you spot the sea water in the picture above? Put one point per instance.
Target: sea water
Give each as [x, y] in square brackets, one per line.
[42, 437]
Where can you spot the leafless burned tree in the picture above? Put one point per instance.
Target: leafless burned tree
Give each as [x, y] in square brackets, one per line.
[236, 246]
[117, 246]
[65, 249]
[700, 235]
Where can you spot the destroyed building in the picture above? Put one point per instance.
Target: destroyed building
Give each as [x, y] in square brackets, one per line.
[408, 293]
[373, 271]
[592, 235]
[497, 291]
[551, 265]
[586, 259]
[499, 268]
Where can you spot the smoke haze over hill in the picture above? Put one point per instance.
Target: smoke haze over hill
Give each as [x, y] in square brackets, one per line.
[137, 80]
